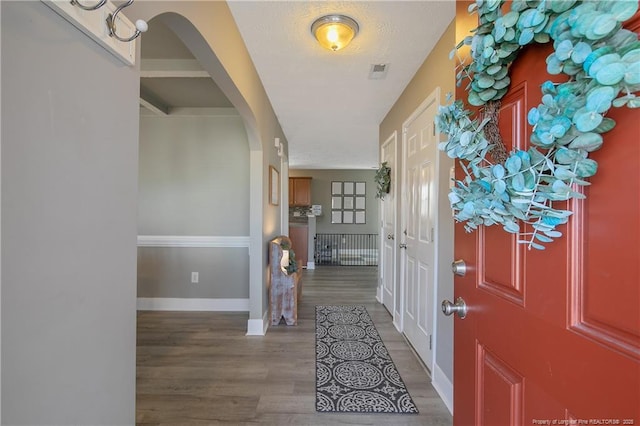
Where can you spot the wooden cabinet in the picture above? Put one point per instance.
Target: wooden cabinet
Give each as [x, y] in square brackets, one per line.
[299, 191]
[299, 235]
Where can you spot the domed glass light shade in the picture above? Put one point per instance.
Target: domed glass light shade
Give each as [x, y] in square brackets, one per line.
[334, 32]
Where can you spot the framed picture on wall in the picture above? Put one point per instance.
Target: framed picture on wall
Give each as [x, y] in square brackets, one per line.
[336, 216]
[348, 203]
[347, 216]
[348, 188]
[274, 186]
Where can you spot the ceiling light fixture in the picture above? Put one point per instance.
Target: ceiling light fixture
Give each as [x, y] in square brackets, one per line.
[334, 32]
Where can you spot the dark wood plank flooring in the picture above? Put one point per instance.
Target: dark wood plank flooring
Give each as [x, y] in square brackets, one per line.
[200, 368]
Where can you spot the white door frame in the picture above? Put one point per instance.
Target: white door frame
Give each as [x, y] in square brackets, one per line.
[284, 194]
[433, 97]
[392, 141]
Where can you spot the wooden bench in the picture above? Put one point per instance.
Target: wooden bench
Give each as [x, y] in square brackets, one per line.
[285, 290]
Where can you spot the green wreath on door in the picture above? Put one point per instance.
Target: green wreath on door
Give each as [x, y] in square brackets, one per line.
[602, 62]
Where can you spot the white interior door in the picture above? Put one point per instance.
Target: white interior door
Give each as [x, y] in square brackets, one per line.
[387, 268]
[419, 219]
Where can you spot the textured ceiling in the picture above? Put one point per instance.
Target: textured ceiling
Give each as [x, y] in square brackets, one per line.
[328, 107]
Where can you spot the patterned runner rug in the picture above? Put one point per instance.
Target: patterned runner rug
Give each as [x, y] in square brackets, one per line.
[354, 372]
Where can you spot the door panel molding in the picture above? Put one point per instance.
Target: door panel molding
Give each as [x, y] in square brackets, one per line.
[425, 223]
[512, 287]
[513, 123]
[498, 386]
[616, 332]
[425, 277]
[410, 307]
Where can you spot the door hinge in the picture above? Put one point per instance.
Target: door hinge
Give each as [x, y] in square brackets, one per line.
[432, 233]
[430, 342]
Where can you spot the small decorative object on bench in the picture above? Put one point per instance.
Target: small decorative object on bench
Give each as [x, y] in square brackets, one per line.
[285, 290]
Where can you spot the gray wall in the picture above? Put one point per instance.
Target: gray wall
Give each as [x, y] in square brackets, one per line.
[194, 181]
[194, 176]
[0, 231]
[436, 71]
[166, 272]
[321, 194]
[69, 182]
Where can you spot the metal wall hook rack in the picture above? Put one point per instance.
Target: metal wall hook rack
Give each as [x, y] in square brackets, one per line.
[141, 25]
[94, 7]
[97, 20]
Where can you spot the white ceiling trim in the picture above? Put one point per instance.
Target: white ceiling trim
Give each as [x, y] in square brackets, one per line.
[168, 68]
[153, 108]
[174, 74]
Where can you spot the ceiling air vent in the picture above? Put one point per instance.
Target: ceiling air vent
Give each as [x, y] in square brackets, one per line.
[378, 71]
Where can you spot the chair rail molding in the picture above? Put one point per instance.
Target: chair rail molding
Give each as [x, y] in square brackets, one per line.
[192, 241]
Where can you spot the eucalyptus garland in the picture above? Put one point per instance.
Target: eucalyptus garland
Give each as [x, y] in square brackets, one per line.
[602, 62]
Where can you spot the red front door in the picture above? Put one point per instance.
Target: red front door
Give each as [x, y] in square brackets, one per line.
[554, 335]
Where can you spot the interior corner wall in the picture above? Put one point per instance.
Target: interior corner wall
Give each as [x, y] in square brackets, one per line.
[209, 30]
[436, 71]
[321, 194]
[194, 181]
[0, 228]
[69, 202]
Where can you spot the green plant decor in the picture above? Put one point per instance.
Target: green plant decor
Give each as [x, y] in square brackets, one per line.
[383, 180]
[602, 63]
[293, 265]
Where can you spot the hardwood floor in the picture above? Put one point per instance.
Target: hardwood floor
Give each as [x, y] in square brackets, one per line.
[200, 368]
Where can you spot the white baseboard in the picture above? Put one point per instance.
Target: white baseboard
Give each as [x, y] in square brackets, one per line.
[443, 386]
[311, 265]
[397, 321]
[379, 294]
[184, 304]
[256, 327]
